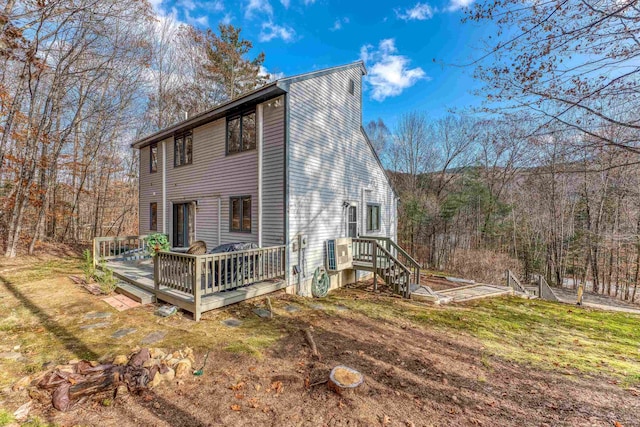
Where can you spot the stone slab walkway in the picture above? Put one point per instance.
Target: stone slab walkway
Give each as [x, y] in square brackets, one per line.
[471, 292]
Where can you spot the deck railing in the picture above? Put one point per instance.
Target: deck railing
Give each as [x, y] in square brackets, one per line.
[120, 247]
[202, 275]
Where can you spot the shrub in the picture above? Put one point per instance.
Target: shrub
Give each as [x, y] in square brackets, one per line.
[106, 280]
[88, 268]
[157, 242]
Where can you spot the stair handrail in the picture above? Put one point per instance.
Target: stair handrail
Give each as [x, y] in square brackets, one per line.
[514, 283]
[397, 247]
[545, 291]
[404, 268]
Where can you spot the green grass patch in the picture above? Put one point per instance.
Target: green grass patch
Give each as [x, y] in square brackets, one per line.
[544, 334]
[6, 418]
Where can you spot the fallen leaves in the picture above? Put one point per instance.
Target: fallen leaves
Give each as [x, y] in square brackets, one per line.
[238, 386]
[277, 386]
[235, 407]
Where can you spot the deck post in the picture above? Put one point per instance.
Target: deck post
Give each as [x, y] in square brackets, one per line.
[374, 251]
[508, 278]
[156, 274]
[195, 288]
[93, 255]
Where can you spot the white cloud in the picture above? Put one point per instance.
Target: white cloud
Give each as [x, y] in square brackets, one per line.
[202, 20]
[389, 72]
[419, 12]
[272, 76]
[156, 4]
[285, 3]
[272, 31]
[308, 2]
[459, 4]
[339, 23]
[258, 6]
[227, 18]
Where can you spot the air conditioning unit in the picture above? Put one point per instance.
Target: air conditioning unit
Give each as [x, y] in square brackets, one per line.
[339, 256]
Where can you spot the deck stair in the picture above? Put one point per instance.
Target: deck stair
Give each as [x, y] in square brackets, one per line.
[387, 260]
[135, 293]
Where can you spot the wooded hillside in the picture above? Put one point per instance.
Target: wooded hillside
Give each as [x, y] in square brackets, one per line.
[79, 81]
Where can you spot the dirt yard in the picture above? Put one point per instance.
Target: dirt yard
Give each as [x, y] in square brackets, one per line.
[498, 362]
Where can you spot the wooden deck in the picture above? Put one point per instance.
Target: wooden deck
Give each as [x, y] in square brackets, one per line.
[139, 273]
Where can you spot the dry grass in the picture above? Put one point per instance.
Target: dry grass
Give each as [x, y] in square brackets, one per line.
[482, 266]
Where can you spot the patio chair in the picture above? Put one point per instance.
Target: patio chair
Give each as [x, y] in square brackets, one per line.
[197, 248]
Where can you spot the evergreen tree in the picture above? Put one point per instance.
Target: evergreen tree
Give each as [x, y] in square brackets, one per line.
[228, 64]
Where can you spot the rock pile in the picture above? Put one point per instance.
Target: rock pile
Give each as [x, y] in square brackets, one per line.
[69, 385]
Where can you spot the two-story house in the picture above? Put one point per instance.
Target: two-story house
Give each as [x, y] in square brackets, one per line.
[288, 164]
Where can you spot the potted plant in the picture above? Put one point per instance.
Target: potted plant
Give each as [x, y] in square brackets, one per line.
[157, 242]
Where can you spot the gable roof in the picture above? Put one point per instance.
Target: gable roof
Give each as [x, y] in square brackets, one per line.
[270, 90]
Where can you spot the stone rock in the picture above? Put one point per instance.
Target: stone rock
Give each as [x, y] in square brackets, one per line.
[172, 362]
[120, 359]
[123, 332]
[22, 412]
[73, 362]
[122, 392]
[291, 308]
[169, 375]
[11, 355]
[183, 367]
[317, 306]
[97, 315]
[157, 353]
[21, 383]
[150, 363]
[263, 313]
[232, 323]
[159, 378]
[341, 307]
[95, 326]
[156, 381]
[153, 337]
[69, 369]
[188, 353]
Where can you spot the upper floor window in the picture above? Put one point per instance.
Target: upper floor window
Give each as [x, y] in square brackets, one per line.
[373, 217]
[241, 132]
[153, 158]
[352, 86]
[183, 149]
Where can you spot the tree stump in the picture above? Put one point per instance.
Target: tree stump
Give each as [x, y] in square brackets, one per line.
[344, 380]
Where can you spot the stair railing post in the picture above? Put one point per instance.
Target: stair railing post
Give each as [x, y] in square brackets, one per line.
[540, 286]
[374, 246]
[508, 278]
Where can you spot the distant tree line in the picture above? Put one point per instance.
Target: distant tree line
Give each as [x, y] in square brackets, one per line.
[545, 173]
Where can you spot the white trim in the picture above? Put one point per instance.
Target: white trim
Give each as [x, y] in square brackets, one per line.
[259, 136]
[164, 187]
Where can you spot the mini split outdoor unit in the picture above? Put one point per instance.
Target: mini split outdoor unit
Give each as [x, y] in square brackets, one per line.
[339, 256]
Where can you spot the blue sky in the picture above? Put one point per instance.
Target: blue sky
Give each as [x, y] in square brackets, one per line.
[398, 40]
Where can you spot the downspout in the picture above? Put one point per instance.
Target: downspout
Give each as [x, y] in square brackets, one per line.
[219, 221]
[259, 117]
[164, 187]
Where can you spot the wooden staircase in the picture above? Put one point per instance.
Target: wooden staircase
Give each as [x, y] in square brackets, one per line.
[386, 260]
